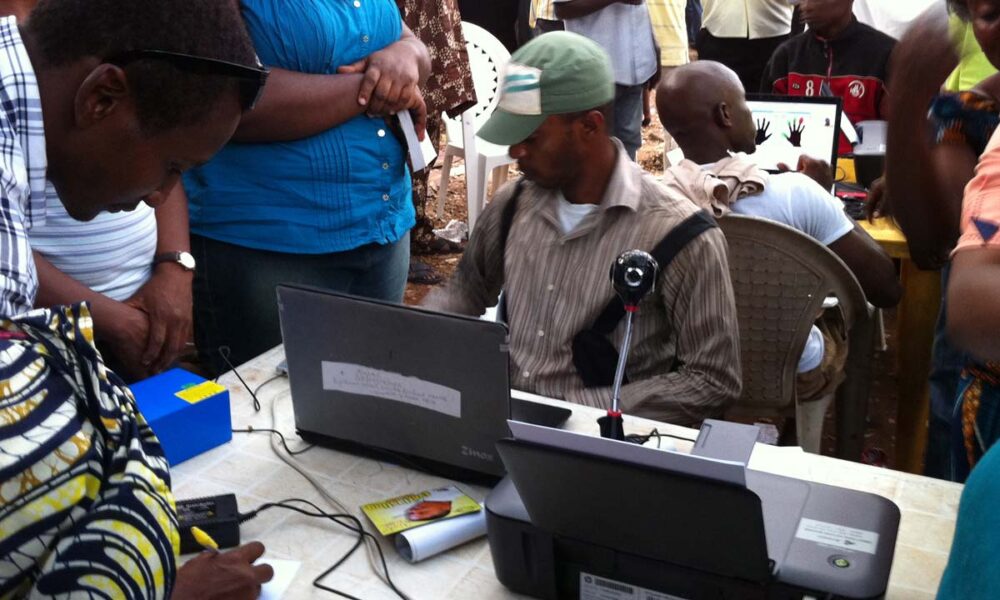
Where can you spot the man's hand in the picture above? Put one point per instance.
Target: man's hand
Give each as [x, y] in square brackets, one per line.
[166, 299]
[125, 329]
[223, 576]
[813, 168]
[877, 202]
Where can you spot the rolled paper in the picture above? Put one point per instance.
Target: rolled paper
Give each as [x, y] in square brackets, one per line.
[426, 541]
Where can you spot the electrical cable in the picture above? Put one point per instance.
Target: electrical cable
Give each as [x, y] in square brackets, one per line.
[284, 443]
[257, 389]
[642, 439]
[225, 352]
[372, 548]
[354, 525]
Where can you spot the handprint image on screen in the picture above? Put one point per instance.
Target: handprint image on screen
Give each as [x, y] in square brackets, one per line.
[788, 127]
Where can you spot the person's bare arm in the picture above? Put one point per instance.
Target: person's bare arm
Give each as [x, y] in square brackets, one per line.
[166, 296]
[871, 266]
[580, 8]
[923, 184]
[973, 311]
[298, 105]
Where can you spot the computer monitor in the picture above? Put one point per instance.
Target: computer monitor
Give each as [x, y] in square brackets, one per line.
[791, 126]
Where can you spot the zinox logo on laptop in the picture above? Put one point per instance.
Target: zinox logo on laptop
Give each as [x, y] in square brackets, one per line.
[481, 455]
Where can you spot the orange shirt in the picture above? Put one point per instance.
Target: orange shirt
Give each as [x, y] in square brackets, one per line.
[980, 223]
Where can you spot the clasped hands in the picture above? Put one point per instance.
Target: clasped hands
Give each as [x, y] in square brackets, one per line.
[391, 84]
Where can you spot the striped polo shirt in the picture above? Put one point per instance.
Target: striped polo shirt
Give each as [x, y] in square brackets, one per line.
[112, 254]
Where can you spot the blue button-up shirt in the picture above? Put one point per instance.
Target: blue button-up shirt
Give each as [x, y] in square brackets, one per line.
[335, 191]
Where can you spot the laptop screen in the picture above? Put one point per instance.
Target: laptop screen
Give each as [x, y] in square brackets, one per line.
[789, 126]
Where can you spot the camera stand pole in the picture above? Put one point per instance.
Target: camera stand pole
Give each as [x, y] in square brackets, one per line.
[633, 275]
[611, 424]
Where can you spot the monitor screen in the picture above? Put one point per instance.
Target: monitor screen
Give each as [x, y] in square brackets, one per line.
[789, 126]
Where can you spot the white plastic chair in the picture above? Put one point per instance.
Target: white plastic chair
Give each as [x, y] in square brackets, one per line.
[487, 57]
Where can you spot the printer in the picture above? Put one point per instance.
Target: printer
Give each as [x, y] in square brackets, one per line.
[597, 519]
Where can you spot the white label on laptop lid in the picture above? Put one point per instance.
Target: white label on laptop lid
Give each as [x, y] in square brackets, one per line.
[831, 534]
[359, 379]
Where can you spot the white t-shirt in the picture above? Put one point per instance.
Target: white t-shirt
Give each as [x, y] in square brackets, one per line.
[112, 254]
[571, 215]
[753, 19]
[795, 200]
[892, 17]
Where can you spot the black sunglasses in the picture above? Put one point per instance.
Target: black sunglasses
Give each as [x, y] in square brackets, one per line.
[251, 79]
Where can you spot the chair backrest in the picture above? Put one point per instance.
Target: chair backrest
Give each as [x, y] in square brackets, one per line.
[780, 279]
[487, 58]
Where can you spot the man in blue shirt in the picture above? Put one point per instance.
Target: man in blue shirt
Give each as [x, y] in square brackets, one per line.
[317, 190]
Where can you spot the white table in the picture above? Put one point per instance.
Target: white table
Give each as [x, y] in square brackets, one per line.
[247, 467]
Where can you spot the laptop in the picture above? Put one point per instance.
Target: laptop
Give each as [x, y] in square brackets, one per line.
[795, 125]
[428, 389]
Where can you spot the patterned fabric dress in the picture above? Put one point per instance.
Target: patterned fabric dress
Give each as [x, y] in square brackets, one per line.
[438, 24]
[976, 418]
[85, 503]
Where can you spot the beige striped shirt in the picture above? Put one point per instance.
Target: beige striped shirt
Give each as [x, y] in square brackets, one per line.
[684, 364]
[541, 9]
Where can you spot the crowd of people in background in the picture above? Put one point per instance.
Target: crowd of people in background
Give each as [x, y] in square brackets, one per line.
[163, 168]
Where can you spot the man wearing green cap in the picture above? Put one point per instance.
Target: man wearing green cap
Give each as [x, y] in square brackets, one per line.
[549, 239]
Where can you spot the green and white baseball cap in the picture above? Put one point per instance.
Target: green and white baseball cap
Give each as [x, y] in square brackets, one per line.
[556, 73]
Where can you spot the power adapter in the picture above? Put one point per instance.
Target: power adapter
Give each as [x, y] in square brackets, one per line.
[218, 516]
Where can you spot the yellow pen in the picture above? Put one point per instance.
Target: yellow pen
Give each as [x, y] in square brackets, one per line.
[204, 539]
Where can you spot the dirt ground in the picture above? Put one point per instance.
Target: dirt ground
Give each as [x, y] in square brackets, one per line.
[880, 433]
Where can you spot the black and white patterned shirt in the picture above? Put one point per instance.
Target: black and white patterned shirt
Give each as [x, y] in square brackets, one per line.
[22, 171]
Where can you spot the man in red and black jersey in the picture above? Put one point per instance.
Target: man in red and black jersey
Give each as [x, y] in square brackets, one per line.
[837, 56]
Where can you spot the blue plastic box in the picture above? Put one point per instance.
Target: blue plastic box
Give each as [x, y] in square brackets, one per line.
[188, 413]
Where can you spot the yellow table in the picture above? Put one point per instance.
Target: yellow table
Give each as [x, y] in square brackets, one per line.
[915, 319]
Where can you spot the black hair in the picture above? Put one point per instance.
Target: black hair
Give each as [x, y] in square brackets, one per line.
[165, 97]
[959, 8]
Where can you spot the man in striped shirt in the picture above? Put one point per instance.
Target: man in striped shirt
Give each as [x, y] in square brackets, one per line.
[580, 203]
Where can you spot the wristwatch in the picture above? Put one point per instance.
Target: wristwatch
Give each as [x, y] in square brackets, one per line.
[184, 259]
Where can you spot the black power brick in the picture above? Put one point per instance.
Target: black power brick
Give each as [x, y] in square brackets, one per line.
[218, 516]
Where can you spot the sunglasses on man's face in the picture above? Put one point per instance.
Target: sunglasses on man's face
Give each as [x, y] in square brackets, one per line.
[251, 79]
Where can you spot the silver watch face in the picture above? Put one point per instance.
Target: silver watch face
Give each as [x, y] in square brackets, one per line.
[186, 260]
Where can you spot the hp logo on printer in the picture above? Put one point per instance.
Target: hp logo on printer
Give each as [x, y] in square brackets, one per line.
[466, 451]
